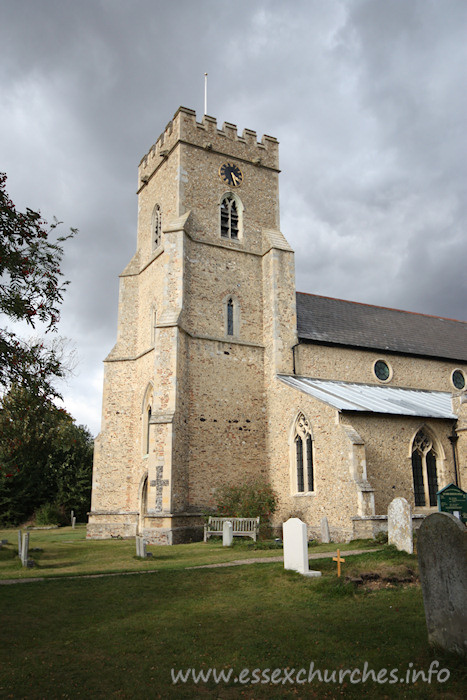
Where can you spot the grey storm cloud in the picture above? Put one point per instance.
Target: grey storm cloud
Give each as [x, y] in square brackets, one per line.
[367, 99]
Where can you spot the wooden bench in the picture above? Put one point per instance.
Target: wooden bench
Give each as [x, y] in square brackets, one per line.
[242, 527]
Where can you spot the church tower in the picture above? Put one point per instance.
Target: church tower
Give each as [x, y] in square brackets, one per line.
[206, 315]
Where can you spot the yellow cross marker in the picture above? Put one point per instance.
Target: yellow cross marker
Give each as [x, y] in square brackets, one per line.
[338, 559]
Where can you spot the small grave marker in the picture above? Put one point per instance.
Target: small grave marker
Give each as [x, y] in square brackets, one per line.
[339, 559]
[227, 534]
[296, 547]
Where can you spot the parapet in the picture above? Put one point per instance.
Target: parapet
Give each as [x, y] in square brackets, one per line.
[205, 134]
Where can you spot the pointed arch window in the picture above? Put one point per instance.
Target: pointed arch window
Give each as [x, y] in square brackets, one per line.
[147, 429]
[304, 468]
[146, 419]
[230, 317]
[231, 311]
[231, 216]
[156, 227]
[424, 470]
[154, 326]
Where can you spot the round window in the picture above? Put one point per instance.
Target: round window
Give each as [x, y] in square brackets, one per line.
[382, 370]
[458, 379]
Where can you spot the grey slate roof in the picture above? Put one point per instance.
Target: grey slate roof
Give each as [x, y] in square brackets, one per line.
[340, 322]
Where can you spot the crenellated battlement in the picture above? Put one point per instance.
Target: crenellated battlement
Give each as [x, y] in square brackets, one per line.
[206, 134]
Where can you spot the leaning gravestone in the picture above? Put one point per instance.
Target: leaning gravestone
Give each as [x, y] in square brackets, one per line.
[296, 547]
[325, 534]
[442, 558]
[400, 525]
[227, 533]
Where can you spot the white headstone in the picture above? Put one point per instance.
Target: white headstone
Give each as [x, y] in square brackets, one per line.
[227, 533]
[325, 534]
[400, 525]
[296, 547]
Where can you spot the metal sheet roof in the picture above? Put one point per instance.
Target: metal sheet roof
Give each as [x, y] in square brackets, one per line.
[346, 396]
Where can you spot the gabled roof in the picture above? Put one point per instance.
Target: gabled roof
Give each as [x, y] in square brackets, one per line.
[340, 322]
[369, 398]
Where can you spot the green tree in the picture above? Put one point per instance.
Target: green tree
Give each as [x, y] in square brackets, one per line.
[44, 458]
[31, 290]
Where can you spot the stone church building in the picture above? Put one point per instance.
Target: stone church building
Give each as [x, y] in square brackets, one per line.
[222, 372]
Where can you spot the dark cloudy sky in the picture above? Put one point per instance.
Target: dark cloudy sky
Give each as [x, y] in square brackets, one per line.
[367, 99]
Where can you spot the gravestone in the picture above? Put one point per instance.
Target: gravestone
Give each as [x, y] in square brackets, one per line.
[20, 543]
[73, 522]
[227, 533]
[325, 534]
[296, 547]
[400, 525]
[25, 561]
[140, 546]
[442, 558]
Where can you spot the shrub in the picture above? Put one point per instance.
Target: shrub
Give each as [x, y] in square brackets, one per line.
[49, 514]
[248, 500]
[381, 537]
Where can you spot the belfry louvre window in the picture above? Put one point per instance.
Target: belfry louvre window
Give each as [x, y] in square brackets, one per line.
[304, 472]
[424, 471]
[229, 217]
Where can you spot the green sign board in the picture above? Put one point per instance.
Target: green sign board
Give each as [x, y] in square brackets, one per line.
[453, 500]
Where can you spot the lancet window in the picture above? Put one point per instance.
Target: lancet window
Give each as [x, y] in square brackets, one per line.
[230, 317]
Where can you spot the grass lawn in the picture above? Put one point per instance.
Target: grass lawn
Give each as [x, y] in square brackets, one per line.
[65, 551]
[120, 636]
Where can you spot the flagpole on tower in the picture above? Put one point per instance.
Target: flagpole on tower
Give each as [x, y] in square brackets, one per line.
[205, 93]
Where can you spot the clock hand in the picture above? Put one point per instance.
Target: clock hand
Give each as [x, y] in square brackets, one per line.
[235, 179]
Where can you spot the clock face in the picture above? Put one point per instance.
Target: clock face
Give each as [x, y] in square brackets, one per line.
[231, 174]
